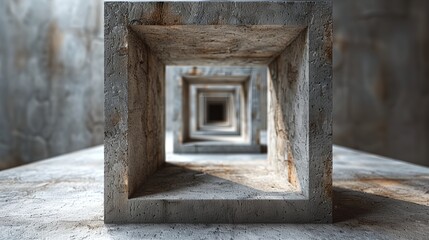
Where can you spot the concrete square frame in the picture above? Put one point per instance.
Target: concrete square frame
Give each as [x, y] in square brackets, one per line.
[222, 100]
[228, 99]
[248, 140]
[299, 102]
[200, 108]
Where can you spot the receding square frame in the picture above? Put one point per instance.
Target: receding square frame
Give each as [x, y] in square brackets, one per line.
[292, 38]
[230, 98]
[216, 111]
[243, 140]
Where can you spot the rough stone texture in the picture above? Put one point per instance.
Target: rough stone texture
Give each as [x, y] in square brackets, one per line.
[299, 116]
[381, 69]
[134, 110]
[145, 112]
[211, 44]
[122, 154]
[374, 198]
[217, 179]
[51, 77]
[288, 87]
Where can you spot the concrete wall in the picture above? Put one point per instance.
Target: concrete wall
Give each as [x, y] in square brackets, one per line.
[288, 113]
[51, 78]
[381, 79]
[146, 112]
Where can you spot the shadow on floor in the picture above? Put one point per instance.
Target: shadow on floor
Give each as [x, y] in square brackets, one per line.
[215, 181]
[375, 209]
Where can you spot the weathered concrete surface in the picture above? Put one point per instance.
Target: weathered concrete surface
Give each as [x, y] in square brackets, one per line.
[300, 113]
[134, 110]
[288, 114]
[381, 72]
[62, 198]
[213, 178]
[146, 112]
[124, 155]
[51, 78]
[217, 44]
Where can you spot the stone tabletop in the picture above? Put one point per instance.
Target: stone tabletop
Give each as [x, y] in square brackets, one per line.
[62, 198]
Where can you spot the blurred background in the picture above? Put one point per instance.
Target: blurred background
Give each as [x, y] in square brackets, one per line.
[51, 78]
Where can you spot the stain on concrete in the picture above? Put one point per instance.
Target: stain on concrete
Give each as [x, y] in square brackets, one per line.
[54, 45]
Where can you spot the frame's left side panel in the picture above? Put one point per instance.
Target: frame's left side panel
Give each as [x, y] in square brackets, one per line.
[115, 111]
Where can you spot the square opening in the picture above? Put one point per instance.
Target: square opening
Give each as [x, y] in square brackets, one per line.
[196, 91]
[216, 110]
[227, 100]
[231, 94]
[215, 72]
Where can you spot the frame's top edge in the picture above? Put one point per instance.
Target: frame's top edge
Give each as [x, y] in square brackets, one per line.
[213, 79]
[215, 1]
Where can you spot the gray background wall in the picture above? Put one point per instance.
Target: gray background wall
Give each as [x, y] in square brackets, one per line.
[51, 77]
[381, 80]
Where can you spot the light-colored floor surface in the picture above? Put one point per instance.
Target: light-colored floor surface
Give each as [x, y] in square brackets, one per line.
[216, 176]
[62, 198]
[217, 180]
